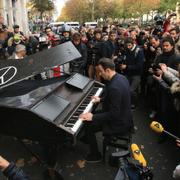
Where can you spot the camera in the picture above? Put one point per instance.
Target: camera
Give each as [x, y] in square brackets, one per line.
[121, 46]
[95, 50]
[2, 28]
[155, 67]
[120, 42]
[159, 20]
[121, 59]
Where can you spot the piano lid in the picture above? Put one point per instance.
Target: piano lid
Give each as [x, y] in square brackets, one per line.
[15, 70]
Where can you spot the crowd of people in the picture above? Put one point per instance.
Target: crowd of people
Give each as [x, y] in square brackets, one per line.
[149, 57]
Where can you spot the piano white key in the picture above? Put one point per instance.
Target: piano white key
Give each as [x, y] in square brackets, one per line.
[70, 124]
[87, 109]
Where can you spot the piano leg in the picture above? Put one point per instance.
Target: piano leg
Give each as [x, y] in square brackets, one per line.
[49, 161]
[50, 155]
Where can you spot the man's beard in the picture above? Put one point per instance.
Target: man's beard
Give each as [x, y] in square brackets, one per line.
[169, 53]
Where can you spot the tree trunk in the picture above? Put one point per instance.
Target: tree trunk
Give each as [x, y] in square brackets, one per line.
[41, 15]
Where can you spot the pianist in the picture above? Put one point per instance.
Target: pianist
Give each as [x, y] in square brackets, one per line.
[115, 117]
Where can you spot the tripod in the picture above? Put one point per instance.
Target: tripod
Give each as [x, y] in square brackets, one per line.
[92, 68]
[120, 159]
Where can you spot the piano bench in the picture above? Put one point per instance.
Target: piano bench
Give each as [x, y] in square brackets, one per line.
[116, 143]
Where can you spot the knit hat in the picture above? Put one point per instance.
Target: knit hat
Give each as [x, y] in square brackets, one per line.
[129, 40]
[20, 47]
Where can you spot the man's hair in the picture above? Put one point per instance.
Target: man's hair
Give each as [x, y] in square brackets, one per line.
[175, 29]
[106, 63]
[129, 40]
[48, 27]
[97, 30]
[154, 37]
[15, 26]
[112, 32]
[76, 36]
[168, 39]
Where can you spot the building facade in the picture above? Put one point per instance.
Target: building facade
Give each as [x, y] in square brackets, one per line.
[15, 12]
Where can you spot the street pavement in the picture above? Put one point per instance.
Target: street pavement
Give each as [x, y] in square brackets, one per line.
[162, 158]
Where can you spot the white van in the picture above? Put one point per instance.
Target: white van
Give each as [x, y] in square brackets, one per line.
[91, 24]
[56, 25]
[74, 25]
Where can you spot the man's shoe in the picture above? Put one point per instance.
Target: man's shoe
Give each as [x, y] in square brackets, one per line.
[93, 158]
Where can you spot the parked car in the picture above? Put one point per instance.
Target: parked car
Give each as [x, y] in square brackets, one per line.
[74, 25]
[91, 24]
[56, 26]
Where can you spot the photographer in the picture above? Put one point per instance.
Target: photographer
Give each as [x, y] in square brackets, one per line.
[110, 46]
[4, 36]
[162, 24]
[171, 59]
[16, 38]
[78, 65]
[158, 29]
[132, 68]
[168, 56]
[175, 34]
[94, 54]
[119, 61]
[53, 39]
[66, 33]
[168, 101]
[167, 22]
[152, 48]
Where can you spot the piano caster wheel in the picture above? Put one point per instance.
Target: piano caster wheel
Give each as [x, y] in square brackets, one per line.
[52, 174]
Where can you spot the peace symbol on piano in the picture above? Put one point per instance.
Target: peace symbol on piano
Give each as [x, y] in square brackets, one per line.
[7, 74]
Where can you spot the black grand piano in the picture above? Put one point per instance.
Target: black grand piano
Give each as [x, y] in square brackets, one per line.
[44, 110]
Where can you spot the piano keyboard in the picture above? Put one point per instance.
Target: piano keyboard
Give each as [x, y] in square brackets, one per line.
[74, 123]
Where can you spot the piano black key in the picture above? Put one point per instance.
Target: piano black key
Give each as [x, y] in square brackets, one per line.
[85, 103]
[82, 106]
[80, 110]
[75, 116]
[69, 124]
[72, 121]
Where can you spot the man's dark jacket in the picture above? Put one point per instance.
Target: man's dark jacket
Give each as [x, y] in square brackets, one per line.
[78, 65]
[134, 61]
[116, 111]
[108, 49]
[171, 59]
